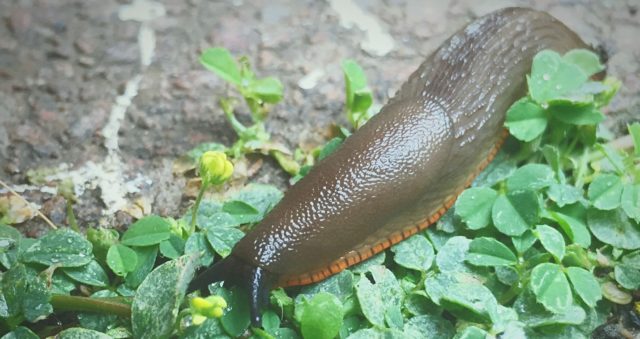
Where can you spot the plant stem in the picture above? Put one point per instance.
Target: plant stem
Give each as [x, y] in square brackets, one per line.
[513, 292]
[97, 305]
[194, 210]
[582, 168]
[72, 217]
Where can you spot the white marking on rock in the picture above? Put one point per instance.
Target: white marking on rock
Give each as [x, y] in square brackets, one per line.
[310, 80]
[378, 42]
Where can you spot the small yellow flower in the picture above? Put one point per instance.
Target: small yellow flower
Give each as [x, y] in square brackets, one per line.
[217, 301]
[200, 304]
[203, 308]
[215, 169]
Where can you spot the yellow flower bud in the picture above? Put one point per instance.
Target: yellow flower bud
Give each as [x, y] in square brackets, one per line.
[201, 304]
[228, 171]
[217, 301]
[215, 168]
[217, 312]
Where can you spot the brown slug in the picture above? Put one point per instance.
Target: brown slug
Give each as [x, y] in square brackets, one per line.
[405, 167]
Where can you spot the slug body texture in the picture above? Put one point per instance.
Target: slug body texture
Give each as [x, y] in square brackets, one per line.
[405, 167]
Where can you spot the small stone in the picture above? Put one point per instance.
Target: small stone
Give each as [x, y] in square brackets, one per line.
[19, 21]
[86, 61]
[83, 46]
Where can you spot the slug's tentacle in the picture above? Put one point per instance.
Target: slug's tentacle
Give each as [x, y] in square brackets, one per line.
[259, 286]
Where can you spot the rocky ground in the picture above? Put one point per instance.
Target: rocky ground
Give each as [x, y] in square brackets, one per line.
[108, 94]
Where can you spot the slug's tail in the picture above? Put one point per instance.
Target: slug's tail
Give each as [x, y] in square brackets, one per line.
[236, 272]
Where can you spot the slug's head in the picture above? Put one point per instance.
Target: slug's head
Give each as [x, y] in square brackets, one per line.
[234, 271]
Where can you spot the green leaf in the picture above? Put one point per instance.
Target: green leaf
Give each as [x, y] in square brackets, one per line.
[414, 253]
[472, 332]
[531, 177]
[197, 243]
[236, 319]
[563, 194]
[358, 95]
[507, 275]
[20, 333]
[614, 228]
[490, 252]
[605, 191]
[11, 241]
[340, 285]
[577, 256]
[474, 206]
[391, 292]
[237, 207]
[81, 333]
[632, 259]
[551, 240]
[526, 120]
[223, 239]
[584, 115]
[321, 317]
[499, 169]
[146, 259]
[330, 147]
[535, 315]
[634, 131]
[242, 212]
[9, 238]
[25, 293]
[551, 287]
[551, 77]
[370, 299]
[630, 201]
[261, 197]
[61, 283]
[451, 256]
[377, 333]
[220, 61]
[613, 159]
[267, 89]
[155, 306]
[612, 85]
[627, 276]
[147, 231]
[90, 274]
[210, 328]
[63, 248]
[515, 212]
[97, 321]
[270, 321]
[575, 228]
[173, 247]
[121, 259]
[428, 326]
[586, 60]
[585, 285]
[523, 242]
[471, 302]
